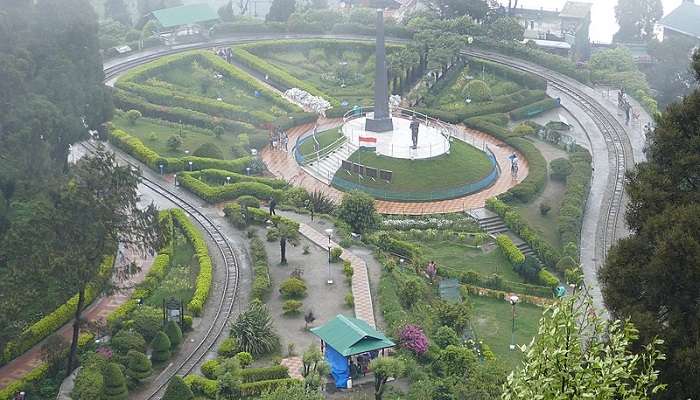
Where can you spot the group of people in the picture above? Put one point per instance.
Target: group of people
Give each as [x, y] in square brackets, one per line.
[624, 104]
[226, 53]
[513, 165]
[359, 364]
[279, 139]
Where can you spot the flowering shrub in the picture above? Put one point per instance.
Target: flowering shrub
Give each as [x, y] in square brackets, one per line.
[439, 223]
[411, 337]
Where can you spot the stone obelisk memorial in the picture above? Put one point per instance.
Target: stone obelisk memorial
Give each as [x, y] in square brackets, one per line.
[381, 121]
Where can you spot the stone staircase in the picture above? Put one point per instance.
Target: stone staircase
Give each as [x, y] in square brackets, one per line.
[492, 224]
[325, 168]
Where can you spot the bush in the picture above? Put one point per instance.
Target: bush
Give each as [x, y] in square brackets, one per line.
[253, 330]
[272, 235]
[574, 202]
[514, 255]
[89, 385]
[138, 366]
[349, 300]
[477, 90]
[255, 389]
[228, 348]
[147, 321]
[293, 288]
[348, 271]
[561, 169]
[244, 359]
[209, 367]
[202, 386]
[172, 329]
[446, 336]
[203, 283]
[336, 252]
[178, 390]
[115, 384]
[126, 340]
[547, 279]
[263, 374]
[523, 130]
[292, 307]
[296, 197]
[132, 116]
[412, 337]
[161, 347]
[544, 208]
[357, 209]
[261, 279]
[174, 142]
[208, 150]
[216, 194]
[248, 201]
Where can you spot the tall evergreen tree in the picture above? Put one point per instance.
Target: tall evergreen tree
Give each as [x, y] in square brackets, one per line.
[653, 276]
[637, 19]
[118, 11]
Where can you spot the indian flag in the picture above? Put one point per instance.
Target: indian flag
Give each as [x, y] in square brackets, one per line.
[368, 142]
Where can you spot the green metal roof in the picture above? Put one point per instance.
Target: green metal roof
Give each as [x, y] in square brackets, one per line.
[184, 15]
[684, 19]
[350, 336]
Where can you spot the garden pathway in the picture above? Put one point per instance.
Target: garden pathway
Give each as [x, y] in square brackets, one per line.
[98, 310]
[283, 165]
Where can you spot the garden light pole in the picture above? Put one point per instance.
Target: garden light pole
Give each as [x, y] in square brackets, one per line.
[329, 232]
[190, 166]
[228, 179]
[513, 300]
[175, 176]
[247, 170]
[161, 168]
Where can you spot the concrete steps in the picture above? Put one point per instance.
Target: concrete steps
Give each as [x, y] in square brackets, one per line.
[325, 168]
[492, 224]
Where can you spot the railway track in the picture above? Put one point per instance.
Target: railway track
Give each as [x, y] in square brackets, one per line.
[616, 140]
[225, 300]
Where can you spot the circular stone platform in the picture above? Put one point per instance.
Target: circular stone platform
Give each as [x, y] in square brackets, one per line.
[397, 143]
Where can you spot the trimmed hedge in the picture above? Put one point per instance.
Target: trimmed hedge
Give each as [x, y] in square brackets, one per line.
[221, 175]
[514, 255]
[255, 389]
[263, 374]
[261, 282]
[496, 282]
[216, 194]
[384, 241]
[547, 254]
[526, 79]
[135, 147]
[547, 278]
[537, 166]
[578, 184]
[50, 323]
[203, 284]
[533, 109]
[202, 386]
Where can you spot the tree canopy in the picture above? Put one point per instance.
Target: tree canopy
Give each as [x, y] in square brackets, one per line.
[651, 277]
[637, 19]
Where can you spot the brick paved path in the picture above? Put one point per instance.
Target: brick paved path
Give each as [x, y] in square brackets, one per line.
[99, 309]
[283, 165]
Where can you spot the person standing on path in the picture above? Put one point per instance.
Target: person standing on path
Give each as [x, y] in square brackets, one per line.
[273, 204]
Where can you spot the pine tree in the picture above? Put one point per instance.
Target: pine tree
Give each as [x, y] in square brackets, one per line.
[138, 366]
[115, 383]
[172, 329]
[178, 390]
[161, 347]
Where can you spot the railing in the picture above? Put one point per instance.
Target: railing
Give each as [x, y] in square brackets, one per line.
[444, 194]
[445, 129]
[316, 155]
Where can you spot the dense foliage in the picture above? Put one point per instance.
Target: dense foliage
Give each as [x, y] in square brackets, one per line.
[253, 330]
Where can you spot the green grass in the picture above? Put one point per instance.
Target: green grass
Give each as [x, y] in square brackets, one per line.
[492, 323]
[180, 278]
[325, 138]
[456, 258]
[545, 225]
[310, 66]
[147, 129]
[465, 164]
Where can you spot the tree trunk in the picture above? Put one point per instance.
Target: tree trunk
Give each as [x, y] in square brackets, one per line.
[379, 389]
[283, 250]
[76, 331]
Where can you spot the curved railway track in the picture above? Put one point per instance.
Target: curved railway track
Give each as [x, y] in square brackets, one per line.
[617, 142]
[226, 298]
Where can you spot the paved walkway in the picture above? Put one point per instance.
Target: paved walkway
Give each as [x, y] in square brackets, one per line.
[283, 165]
[98, 310]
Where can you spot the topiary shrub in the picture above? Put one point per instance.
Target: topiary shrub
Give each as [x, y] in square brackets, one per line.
[293, 288]
[272, 235]
[297, 197]
[228, 348]
[178, 390]
[292, 307]
[132, 116]
[209, 367]
[523, 129]
[89, 385]
[561, 169]
[172, 329]
[336, 252]
[357, 209]
[115, 383]
[248, 201]
[125, 340]
[138, 366]
[161, 347]
[477, 90]
[147, 321]
[244, 359]
[348, 271]
[208, 150]
[349, 300]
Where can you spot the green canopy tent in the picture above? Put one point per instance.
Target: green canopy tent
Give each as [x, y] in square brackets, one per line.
[343, 337]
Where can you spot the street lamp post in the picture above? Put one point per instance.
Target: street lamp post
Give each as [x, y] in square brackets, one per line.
[175, 176]
[329, 232]
[190, 166]
[247, 170]
[228, 179]
[513, 299]
[161, 168]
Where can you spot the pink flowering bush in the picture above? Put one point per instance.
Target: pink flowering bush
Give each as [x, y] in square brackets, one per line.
[411, 337]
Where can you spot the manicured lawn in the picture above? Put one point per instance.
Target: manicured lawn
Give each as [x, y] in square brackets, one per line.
[155, 134]
[457, 258]
[189, 78]
[325, 138]
[464, 164]
[180, 278]
[492, 323]
[545, 225]
[316, 64]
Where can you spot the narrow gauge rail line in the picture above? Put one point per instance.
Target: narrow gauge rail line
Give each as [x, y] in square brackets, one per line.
[616, 140]
[225, 301]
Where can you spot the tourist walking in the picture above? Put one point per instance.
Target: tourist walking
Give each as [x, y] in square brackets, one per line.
[272, 205]
[431, 271]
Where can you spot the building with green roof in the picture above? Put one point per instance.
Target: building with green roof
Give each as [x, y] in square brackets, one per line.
[190, 14]
[343, 337]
